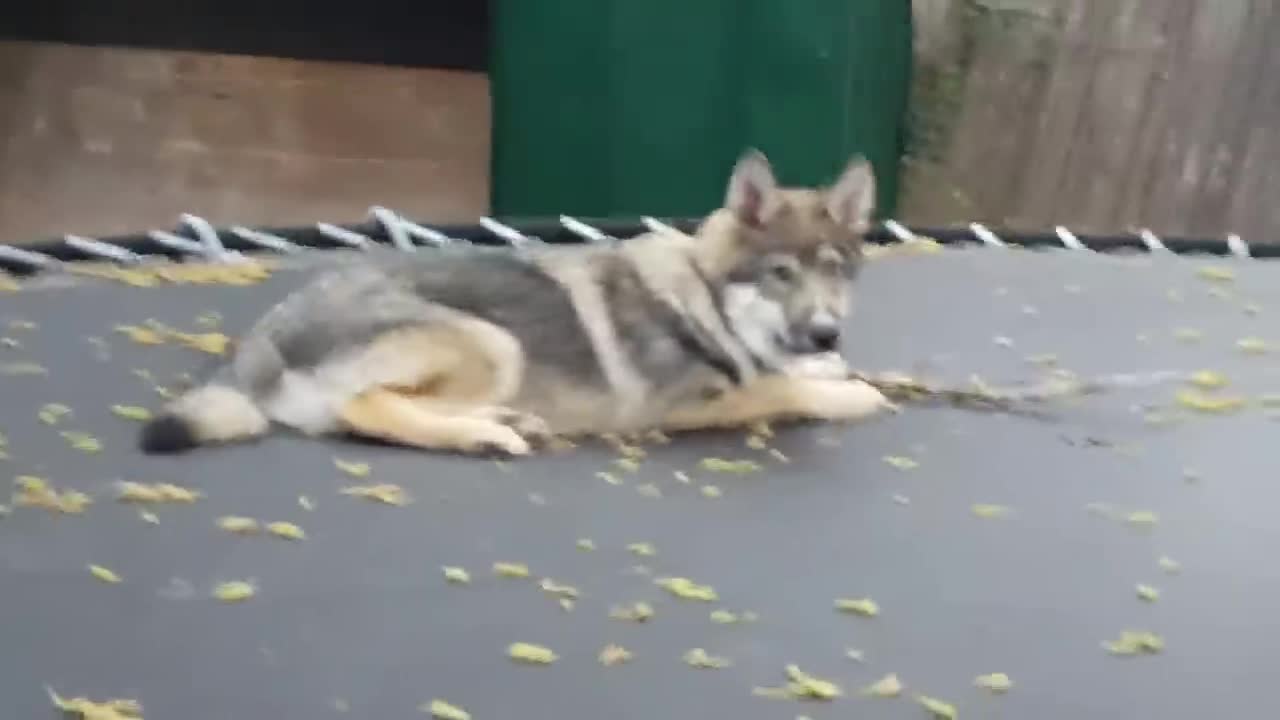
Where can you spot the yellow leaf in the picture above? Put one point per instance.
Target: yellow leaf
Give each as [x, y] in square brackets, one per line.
[699, 658]
[1142, 518]
[22, 368]
[711, 491]
[586, 544]
[938, 708]
[1148, 593]
[642, 549]
[84, 442]
[511, 570]
[552, 587]
[385, 493]
[901, 462]
[865, 607]
[354, 469]
[286, 531]
[1169, 565]
[1216, 273]
[995, 682]
[650, 490]
[614, 655]
[888, 686]
[141, 335]
[531, 654]
[115, 709]
[234, 591]
[638, 612]
[1135, 642]
[686, 589]
[103, 574]
[442, 710]
[131, 412]
[53, 413]
[238, 525]
[723, 617]
[1208, 404]
[990, 512]
[1208, 379]
[1253, 346]
[456, 575]
[1187, 335]
[804, 685]
[721, 465]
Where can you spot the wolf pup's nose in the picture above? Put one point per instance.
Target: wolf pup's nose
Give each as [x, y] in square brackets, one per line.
[824, 337]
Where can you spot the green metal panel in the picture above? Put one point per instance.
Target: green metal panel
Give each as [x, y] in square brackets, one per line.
[625, 107]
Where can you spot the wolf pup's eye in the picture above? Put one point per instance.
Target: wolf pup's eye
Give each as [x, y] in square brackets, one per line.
[783, 271]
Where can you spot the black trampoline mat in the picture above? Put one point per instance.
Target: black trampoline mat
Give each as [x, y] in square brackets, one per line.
[359, 617]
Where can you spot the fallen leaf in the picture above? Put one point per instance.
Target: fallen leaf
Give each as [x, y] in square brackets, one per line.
[586, 544]
[115, 709]
[286, 531]
[511, 570]
[1135, 642]
[642, 549]
[103, 574]
[456, 575]
[804, 685]
[637, 612]
[1142, 519]
[531, 654]
[1208, 379]
[238, 525]
[1253, 346]
[53, 413]
[354, 469]
[1200, 402]
[737, 467]
[614, 655]
[442, 710]
[687, 589]
[865, 607]
[699, 658]
[384, 493]
[131, 412]
[1148, 593]
[901, 462]
[711, 491]
[990, 512]
[84, 442]
[937, 708]
[1169, 565]
[552, 587]
[234, 591]
[888, 686]
[306, 503]
[995, 682]
[1216, 273]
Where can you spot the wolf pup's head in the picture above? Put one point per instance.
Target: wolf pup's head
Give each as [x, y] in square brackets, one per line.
[788, 257]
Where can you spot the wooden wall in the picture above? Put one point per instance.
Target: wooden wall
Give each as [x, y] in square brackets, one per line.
[1102, 115]
[100, 140]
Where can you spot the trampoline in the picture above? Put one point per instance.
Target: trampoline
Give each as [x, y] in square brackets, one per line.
[991, 541]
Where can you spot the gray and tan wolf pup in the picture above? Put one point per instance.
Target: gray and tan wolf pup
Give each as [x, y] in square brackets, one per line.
[483, 352]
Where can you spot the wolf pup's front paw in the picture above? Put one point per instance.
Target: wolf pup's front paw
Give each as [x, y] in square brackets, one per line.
[497, 440]
[843, 399]
[532, 428]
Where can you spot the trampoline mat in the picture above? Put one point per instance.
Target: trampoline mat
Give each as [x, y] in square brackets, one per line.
[358, 618]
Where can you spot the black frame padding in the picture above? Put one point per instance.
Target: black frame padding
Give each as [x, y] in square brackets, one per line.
[450, 34]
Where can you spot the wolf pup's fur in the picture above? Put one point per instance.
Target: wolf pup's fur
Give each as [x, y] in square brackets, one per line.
[478, 352]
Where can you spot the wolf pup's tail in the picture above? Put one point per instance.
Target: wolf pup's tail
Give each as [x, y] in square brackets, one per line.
[207, 415]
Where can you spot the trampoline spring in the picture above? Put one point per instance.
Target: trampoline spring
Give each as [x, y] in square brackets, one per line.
[343, 236]
[210, 244]
[585, 231]
[392, 225]
[97, 248]
[264, 240]
[1238, 246]
[899, 231]
[176, 242]
[981, 232]
[1152, 241]
[506, 233]
[656, 225]
[1069, 239]
[27, 258]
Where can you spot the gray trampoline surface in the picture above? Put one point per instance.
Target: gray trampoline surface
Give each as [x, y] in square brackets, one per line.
[359, 618]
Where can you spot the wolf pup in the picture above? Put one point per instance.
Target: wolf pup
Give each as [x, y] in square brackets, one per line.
[482, 352]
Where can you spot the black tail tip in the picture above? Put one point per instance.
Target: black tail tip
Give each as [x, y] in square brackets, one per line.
[166, 434]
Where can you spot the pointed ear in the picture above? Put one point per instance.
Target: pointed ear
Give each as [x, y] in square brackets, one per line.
[751, 188]
[851, 202]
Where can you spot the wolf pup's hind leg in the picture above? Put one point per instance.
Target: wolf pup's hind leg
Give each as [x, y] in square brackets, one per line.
[462, 372]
